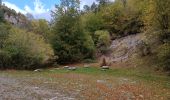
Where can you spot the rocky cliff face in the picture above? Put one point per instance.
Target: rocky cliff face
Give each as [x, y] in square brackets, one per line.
[16, 19]
[124, 48]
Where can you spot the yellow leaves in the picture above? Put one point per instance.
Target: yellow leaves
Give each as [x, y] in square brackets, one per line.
[33, 45]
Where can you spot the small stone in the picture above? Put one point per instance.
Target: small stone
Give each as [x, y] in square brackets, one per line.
[101, 81]
[105, 67]
[36, 87]
[66, 67]
[38, 70]
[86, 66]
[141, 96]
[72, 68]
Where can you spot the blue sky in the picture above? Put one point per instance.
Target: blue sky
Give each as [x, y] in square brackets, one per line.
[38, 8]
[21, 3]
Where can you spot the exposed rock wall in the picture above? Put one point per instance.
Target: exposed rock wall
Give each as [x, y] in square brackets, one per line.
[124, 48]
[16, 19]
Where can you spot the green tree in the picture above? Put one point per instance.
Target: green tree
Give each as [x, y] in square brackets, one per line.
[102, 2]
[102, 41]
[162, 18]
[157, 17]
[92, 22]
[4, 32]
[70, 42]
[1, 14]
[94, 7]
[157, 20]
[41, 27]
[164, 57]
[121, 20]
[86, 8]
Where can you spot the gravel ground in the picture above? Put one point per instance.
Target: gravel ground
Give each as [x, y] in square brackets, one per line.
[20, 89]
[25, 85]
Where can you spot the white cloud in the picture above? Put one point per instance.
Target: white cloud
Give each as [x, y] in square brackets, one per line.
[38, 11]
[46, 16]
[28, 9]
[13, 6]
[38, 8]
[86, 2]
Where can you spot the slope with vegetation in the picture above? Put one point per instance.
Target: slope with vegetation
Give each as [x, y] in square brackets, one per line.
[21, 47]
[75, 35]
[132, 35]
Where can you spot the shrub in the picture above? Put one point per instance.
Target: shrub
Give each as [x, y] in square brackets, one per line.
[4, 59]
[164, 56]
[27, 50]
[1, 15]
[4, 32]
[102, 41]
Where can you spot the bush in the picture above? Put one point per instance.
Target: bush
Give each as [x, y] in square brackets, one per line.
[75, 50]
[102, 41]
[27, 50]
[4, 59]
[1, 15]
[4, 32]
[164, 56]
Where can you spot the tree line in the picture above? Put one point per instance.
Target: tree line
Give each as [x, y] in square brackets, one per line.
[75, 34]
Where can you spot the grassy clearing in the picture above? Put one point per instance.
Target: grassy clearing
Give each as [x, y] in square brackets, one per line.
[134, 73]
[94, 84]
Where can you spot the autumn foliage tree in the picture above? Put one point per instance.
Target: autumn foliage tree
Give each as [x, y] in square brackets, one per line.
[157, 25]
